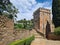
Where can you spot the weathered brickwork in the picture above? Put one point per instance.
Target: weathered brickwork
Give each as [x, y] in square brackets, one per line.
[8, 33]
[42, 20]
[6, 22]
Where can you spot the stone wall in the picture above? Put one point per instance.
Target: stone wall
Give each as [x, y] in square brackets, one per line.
[7, 36]
[52, 36]
[20, 34]
[6, 23]
[8, 33]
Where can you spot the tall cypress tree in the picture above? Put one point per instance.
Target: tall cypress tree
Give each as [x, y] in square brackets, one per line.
[56, 12]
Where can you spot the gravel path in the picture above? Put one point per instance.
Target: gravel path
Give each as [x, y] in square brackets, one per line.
[41, 41]
[38, 41]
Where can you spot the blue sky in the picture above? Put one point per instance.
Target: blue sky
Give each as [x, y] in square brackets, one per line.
[27, 7]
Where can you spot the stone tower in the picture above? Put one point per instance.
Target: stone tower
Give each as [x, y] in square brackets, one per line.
[42, 20]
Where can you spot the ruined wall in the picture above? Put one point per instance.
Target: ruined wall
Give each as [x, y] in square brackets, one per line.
[6, 23]
[8, 33]
[7, 37]
[6, 30]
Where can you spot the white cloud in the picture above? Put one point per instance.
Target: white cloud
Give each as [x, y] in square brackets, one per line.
[27, 7]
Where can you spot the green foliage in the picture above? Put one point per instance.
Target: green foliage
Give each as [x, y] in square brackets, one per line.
[18, 42]
[25, 23]
[7, 8]
[28, 24]
[56, 12]
[19, 26]
[57, 31]
[26, 41]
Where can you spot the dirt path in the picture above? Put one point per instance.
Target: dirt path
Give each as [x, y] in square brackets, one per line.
[51, 42]
[45, 42]
[38, 42]
[41, 41]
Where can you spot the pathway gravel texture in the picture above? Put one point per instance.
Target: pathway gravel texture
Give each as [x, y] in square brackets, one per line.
[38, 41]
[41, 41]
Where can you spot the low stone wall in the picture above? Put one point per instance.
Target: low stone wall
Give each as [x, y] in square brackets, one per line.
[20, 34]
[7, 36]
[51, 36]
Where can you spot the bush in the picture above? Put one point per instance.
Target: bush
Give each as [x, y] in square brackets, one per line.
[21, 42]
[57, 31]
[18, 25]
[26, 41]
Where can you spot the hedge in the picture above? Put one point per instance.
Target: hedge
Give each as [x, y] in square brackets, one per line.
[57, 31]
[29, 40]
[26, 41]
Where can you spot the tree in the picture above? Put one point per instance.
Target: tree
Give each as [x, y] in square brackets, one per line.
[25, 23]
[56, 12]
[7, 8]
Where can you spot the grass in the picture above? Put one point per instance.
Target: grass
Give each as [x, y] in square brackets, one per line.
[26, 41]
